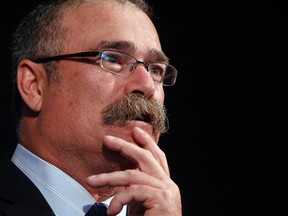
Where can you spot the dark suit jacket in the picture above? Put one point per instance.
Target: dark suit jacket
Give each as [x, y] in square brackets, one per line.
[18, 195]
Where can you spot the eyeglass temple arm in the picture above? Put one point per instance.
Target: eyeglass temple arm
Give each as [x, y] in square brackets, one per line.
[54, 58]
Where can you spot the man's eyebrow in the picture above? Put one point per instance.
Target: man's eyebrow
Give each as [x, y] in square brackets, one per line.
[117, 45]
[130, 47]
[158, 56]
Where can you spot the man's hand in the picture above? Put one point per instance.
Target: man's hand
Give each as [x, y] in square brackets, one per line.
[149, 190]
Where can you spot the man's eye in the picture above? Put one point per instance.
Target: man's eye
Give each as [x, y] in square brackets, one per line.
[156, 69]
[110, 58]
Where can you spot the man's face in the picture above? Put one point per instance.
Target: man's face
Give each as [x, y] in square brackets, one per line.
[73, 108]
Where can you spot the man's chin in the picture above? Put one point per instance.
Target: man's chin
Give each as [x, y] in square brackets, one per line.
[148, 128]
[116, 161]
[124, 130]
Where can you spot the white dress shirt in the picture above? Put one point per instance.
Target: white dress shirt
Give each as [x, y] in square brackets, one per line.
[65, 195]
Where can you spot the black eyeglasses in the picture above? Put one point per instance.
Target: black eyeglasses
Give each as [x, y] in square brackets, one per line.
[120, 63]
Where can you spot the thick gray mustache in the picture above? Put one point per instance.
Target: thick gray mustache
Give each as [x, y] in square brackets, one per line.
[136, 107]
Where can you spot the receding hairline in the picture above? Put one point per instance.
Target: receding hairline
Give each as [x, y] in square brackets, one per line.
[140, 5]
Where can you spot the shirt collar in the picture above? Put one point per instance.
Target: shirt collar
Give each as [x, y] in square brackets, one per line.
[65, 195]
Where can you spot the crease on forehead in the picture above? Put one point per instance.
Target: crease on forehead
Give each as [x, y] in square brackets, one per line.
[130, 48]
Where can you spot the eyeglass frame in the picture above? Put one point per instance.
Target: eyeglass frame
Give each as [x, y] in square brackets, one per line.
[100, 54]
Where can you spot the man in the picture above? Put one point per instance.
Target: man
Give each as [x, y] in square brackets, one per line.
[89, 96]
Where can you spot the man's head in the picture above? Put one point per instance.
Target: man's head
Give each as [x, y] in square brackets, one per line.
[72, 102]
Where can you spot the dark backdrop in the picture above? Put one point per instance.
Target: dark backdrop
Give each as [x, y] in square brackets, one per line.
[222, 145]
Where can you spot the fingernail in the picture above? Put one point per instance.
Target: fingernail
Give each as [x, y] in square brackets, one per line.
[91, 178]
[139, 129]
[109, 137]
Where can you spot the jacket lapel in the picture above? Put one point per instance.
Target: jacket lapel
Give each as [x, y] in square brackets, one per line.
[18, 195]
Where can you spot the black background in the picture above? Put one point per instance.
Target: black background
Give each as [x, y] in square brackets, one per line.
[223, 145]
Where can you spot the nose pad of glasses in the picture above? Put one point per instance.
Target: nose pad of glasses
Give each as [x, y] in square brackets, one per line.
[146, 65]
[132, 67]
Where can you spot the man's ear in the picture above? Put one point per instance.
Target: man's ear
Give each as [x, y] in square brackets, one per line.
[31, 81]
